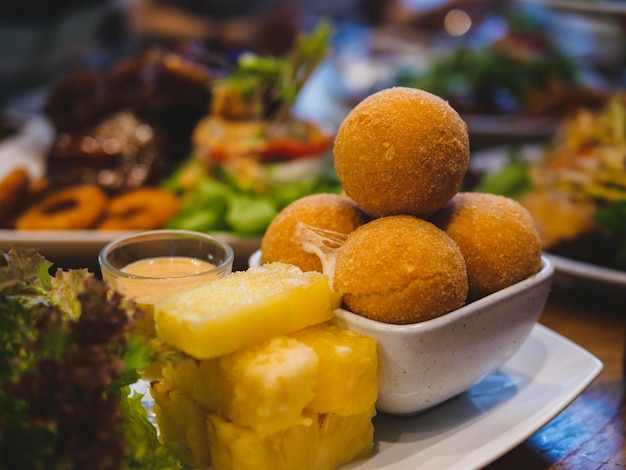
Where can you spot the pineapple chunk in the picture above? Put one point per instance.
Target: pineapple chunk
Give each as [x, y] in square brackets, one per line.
[244, 308]
[182, 424]
[328, 442]
[261, 403]
[265, 386]
[347, 381]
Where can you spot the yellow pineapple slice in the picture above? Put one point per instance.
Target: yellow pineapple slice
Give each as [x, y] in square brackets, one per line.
[244, 308]
[347, 381]
[265, 386]
[182, 424]
[343, 439]
[328, 442]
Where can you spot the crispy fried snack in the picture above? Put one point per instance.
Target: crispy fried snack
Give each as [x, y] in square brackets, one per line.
[140, 209]
[76, 207]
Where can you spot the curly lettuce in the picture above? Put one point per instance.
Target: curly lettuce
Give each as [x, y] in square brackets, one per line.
[69, 355]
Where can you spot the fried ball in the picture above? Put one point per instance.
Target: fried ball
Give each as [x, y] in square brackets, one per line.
[331, 212]
[400, 269]
[402, 151]
[497, 236]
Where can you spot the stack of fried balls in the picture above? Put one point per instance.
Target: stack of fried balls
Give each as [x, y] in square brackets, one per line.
[412, 246]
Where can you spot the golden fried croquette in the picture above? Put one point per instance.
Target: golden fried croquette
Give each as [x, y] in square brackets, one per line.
[402, 151]
[282, 241]
[498, 239]
[400, 269]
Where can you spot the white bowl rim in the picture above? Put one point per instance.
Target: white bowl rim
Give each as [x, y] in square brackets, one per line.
[544, 274]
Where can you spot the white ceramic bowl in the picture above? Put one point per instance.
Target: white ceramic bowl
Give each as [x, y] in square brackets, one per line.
[424, 364]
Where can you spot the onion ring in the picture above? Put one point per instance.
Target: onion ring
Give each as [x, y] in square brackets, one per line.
[76, 207]
[140, 209]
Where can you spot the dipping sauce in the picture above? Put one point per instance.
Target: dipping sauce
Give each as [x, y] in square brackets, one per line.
[161, 271]
[149, 266]
[159, 278]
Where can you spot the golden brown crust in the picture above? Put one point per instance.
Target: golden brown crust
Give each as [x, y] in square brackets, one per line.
[400, 269]
[77, 207]
[498, 239]
[402, 151]
[325, 211]
[140, 209]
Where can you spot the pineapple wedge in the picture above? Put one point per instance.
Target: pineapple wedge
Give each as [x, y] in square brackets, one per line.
[327, 443]
[265, 387]
[244, 308]
[347, 381]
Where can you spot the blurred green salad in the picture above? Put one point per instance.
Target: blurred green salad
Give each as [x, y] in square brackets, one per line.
[217, 200]
[523, 72]
[251, 157]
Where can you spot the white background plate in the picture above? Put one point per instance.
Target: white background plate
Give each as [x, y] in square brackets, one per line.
[572, 271]
[475, 428]
[80, 248]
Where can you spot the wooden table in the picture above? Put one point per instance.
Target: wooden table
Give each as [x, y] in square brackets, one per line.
[591, 432]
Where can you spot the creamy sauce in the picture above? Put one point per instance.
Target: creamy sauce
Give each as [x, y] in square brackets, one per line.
[162, 277]
[165, 276]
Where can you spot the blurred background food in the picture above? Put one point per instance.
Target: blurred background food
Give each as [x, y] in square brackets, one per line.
[575, 186]
[233, 106]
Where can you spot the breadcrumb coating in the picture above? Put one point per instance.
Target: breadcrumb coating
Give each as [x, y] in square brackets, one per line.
[400, 269]
[497, 236]
[332, 212]
[402, 151]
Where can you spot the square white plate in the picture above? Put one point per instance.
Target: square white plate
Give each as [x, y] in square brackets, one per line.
[475, 428]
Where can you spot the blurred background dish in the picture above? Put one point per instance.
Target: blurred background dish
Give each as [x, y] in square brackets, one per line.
[74, 249]
[502, 170]
[172, 121]
[514, 70]
[512, 74]
[575, 188]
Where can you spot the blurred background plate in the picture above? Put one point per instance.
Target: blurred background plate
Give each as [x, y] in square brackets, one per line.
[585, 6]
[571, 274]
[72, 249]
[487, 131]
